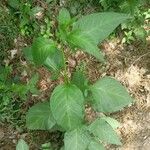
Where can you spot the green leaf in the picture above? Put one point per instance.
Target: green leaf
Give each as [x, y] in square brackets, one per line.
[79, 79]
[22, 145]
[41, 49]
[101, 129]
[98, 26]
[55, 61]
[94, 145]
[67, 106]
[64, 21]
[55, 75]
[14, 3]
[31, 86]
[86, 44]
[129, 6]
[109, 95]
[140, 33]
[92, 29]
[76, 140]
[28, 53]
[40, 117]
[112, 122]
[64, 17]
[20, 90]
[47, 146]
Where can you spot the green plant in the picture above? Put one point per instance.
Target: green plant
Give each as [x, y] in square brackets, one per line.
[8, 31]
[67, 103]
[133, 29]
[45, 29]
[25, 12]
[13, 94]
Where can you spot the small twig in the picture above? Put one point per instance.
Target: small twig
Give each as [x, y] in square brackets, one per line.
[140, 58]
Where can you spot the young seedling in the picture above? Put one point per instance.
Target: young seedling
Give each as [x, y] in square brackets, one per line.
[65, 110]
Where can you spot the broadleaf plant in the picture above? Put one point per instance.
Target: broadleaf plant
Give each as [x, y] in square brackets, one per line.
[66, 108]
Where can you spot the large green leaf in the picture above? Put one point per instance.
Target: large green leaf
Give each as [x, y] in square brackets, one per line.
[109, 95]
[101, 129]
[77, 139]
[92, 29]
[86, 43]
[41, 49]
[67, 106]
[98, 26]
[22, 145]
[94, 145]
[40, 117]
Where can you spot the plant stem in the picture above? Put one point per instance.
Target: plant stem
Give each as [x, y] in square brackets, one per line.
[65, 75]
